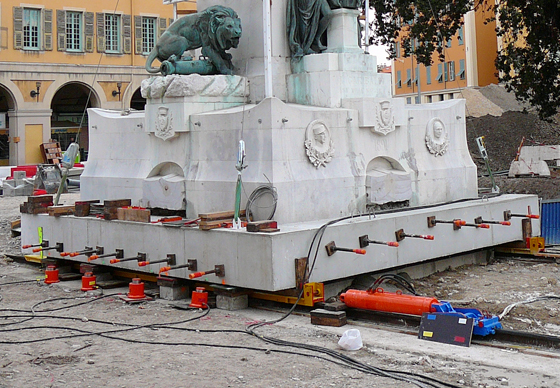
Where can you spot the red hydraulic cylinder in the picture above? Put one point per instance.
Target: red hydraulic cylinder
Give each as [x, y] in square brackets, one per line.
[380, 300]
[51, 274]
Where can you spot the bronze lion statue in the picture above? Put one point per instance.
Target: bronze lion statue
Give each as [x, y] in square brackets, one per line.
[216, 29]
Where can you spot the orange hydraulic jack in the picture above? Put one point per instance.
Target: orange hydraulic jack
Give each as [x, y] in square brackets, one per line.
[51, 275]
[199, 298]
[88, 282]
[136, 289]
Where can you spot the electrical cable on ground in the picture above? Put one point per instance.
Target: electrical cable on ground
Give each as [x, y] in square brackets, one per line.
[530, 300]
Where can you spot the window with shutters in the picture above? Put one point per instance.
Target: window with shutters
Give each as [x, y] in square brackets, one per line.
[74, 31]
[439, 73]
[31, 29]
[461, 36]
[461, 73]
[408, 78]
[149, 34]
[451, 67]
[428, 75]
[112, 33]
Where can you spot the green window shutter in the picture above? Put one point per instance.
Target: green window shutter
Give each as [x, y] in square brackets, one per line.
[461, 74]
[138, 35]
[408, 78]
[100, 32]
[18, 28]
[89, 31]
[399, 79]
[61, 29]
[439, 73]
[48, 29]
[428, 75]
[127, 34]
[162, 26]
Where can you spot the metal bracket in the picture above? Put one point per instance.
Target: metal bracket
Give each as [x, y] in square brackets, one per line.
[171, 259]
[120, 253]
[100, 250]
[400, 235]
[331, 248]
[431, 221]
[364, 241]
[301, 272]
[220, 270]
[192, 265]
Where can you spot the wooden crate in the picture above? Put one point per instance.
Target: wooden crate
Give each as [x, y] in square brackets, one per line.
[52, 154]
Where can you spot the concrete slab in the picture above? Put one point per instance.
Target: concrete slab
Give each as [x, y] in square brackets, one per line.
[265, 261]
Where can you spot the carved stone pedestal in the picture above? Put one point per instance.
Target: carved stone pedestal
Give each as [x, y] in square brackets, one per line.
[342, 34]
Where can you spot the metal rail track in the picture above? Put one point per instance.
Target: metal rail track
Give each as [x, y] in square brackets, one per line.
[504, 336]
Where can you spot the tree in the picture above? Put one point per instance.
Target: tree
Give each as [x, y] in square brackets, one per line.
[528, 62]
[427, 24]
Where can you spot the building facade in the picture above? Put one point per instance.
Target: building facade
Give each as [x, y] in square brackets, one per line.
[60, 57]
[469, 62]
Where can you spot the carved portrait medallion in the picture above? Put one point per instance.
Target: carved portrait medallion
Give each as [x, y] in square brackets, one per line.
[318, 143]
[437, 139]
[164, 124]
[385, 118]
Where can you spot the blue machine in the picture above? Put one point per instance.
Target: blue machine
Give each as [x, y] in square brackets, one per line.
[483, 324]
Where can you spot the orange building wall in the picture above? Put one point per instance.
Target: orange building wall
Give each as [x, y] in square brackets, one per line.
[131, 7]
[487, 47]
[453, 53]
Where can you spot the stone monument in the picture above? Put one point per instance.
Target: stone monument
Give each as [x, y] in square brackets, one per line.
[330, 139]
[325, 137]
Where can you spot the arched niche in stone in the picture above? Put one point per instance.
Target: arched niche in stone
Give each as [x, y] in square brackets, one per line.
[69, 104]
[7, 103]
[164, 187]
[387, 182]
[137, 102]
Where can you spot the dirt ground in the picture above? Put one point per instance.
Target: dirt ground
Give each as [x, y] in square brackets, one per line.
[47, 338]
